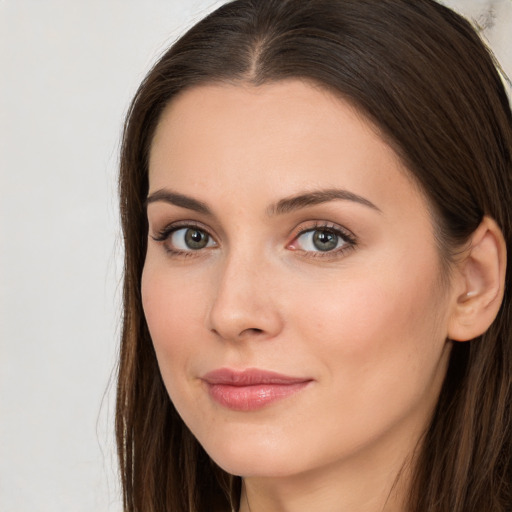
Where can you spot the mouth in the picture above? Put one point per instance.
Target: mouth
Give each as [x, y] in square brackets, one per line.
[251, 389]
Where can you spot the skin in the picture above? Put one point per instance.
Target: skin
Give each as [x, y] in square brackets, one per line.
[366, 322]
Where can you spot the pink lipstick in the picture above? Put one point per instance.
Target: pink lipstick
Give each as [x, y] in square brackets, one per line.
[250, 389]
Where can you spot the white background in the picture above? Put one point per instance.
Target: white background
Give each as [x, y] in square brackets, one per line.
[68, 69]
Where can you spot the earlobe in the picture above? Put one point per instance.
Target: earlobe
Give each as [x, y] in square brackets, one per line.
[480, 274]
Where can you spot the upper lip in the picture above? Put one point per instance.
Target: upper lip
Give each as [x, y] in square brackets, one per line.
[249, 377]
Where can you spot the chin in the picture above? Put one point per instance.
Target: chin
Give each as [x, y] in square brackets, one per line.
[250, 456]
[261, 466]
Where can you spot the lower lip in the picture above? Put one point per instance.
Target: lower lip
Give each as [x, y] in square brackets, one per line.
[254, 397]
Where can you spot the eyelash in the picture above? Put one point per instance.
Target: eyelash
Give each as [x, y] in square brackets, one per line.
[168, 230]
[346, 236]
[349, 239]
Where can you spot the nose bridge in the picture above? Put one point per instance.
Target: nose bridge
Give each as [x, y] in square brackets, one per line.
[243, 304]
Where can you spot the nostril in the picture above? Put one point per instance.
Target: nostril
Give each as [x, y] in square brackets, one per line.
[254, 331]
[251, 331]
[245, 332]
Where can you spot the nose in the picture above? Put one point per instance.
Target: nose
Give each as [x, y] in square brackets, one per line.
[244, 303]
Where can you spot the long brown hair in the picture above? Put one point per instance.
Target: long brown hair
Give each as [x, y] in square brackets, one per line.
[421, 74]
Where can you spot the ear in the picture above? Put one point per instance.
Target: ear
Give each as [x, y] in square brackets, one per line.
[479, 282]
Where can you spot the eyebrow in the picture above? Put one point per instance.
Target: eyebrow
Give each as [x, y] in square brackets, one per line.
[286, 205]
[290, 204]
[176, 199]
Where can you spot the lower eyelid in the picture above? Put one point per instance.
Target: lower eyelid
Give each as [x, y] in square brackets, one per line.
[348, 240]
[333, 255]
[164, 238]
[344, 234]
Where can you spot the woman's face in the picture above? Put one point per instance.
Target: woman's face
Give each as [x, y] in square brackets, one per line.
[292, 284]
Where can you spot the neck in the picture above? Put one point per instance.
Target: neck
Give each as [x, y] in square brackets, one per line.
[371, 482]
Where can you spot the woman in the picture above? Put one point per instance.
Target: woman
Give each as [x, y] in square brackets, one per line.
[317, 315]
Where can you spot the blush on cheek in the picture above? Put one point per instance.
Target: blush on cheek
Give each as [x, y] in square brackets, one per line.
[173, 321]
[374, 316]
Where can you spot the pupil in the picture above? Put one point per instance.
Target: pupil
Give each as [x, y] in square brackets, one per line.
[325, 240]
[196, 239]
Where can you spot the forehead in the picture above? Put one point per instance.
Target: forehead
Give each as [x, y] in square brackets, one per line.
[273, 140]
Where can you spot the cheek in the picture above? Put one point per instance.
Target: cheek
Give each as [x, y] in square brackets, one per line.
[380, 346]
[378, 327]
[171, 307]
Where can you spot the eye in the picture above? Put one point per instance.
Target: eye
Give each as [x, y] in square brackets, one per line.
[190, 239]
[322, 239]
[185, 239]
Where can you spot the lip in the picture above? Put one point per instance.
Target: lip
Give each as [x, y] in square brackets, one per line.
[251, 389]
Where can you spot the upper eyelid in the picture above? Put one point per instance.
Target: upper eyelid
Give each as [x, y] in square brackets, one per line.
[302, 228]
[176, 225]
[162, 236]
[350, 242]
[319, 225]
